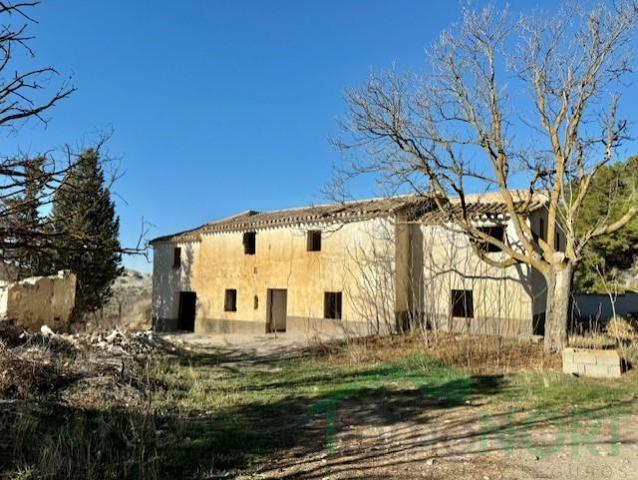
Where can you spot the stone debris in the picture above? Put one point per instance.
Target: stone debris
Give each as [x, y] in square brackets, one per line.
[83, 369]
[46, 331]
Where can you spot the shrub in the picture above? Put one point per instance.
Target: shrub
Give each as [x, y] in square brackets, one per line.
[620, 327]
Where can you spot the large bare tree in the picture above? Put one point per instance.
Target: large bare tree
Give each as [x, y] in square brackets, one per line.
[507, 101]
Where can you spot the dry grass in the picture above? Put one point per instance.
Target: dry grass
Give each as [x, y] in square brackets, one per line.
[24, 378]
[476, 354]
[595, 341]
[11, 334]
[622, 328]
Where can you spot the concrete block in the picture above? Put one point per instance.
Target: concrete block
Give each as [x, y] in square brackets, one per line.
[592, 363]
[602, 371]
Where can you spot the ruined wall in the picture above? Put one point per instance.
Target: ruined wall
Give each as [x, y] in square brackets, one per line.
[39, 301]
[281, 261]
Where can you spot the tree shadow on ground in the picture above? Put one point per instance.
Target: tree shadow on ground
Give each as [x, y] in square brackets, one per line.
[65, 442]
[401, 443]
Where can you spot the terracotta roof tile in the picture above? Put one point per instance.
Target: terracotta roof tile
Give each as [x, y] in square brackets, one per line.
[417, 207]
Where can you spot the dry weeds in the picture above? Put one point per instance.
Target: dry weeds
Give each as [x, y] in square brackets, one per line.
[477, 354]
[24, 378]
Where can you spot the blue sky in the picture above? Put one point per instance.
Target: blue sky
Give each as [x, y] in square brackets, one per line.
[217, 107]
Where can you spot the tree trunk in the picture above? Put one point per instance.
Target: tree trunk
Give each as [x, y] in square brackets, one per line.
[559, 286]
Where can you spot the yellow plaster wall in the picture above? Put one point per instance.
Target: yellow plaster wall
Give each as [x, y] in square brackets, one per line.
[281, 261]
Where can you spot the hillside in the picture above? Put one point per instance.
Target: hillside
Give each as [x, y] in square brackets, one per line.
[130, 306]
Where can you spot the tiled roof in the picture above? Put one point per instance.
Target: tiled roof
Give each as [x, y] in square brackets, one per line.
[338, 212]
[417, 207]
[482, 206]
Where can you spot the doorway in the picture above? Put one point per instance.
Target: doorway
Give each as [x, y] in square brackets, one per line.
[276, 308]
[538, 324]
[186, 312]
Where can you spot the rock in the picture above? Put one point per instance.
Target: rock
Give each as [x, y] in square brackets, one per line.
[46, 331]
[111, 337]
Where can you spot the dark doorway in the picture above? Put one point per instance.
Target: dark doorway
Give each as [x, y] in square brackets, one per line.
[277, 306]
[538, 325]
[186, 315]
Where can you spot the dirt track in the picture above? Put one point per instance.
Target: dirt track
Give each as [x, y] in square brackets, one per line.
[392, 439]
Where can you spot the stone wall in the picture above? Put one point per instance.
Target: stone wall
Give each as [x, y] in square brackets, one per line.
[592, 363]
[39, 301]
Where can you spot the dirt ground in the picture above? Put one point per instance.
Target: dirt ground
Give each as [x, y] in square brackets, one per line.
[386, 440]
[408, 435]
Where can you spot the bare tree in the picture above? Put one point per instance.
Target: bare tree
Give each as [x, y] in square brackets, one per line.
[25, 93]
[506, 101]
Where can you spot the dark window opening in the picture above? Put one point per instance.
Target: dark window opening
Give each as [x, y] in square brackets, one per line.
[462, 303]
[177, 257]
[498, 233]
[250, 243]
[230, 300]
[314, 241]
[332, 305]
[256, 302]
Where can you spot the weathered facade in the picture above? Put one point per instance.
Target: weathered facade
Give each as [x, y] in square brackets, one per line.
[368, 266]
[37, 301]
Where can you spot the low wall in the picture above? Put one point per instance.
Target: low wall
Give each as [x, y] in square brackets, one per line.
[592, 363]
[39, 301]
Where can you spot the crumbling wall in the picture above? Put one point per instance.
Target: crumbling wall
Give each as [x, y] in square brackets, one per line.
[38, 301]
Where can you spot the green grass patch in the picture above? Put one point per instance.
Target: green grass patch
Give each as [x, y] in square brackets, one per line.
[560, 392]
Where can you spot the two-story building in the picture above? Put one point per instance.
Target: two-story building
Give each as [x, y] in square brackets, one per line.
[366, 266]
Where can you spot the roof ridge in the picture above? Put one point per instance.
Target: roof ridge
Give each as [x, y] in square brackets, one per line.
[337, 211]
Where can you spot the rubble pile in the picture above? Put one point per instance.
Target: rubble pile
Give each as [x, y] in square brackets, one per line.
[85, 369]
[117, 343]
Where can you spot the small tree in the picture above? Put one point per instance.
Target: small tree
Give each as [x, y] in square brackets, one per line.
[29, 255]
[506, 102]
[87, 230]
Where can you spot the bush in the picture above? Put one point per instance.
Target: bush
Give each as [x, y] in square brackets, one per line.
[23, 378]
[620, 327]
[11, 334]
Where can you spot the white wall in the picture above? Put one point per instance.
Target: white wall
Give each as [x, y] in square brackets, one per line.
[169, 281]
[503, 297]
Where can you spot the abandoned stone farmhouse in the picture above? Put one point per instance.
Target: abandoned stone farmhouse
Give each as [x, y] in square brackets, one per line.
[366, 266]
